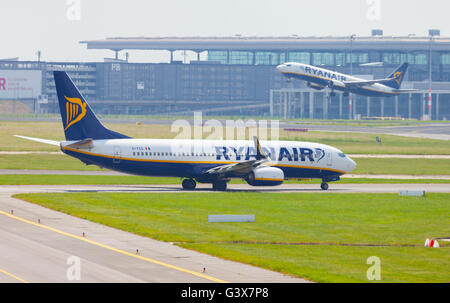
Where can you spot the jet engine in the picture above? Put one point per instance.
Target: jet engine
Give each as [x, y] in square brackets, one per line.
[265, 176]
[315, 86]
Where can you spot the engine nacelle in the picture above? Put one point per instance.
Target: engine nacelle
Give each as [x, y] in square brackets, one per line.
[314, 86]
[265, 176]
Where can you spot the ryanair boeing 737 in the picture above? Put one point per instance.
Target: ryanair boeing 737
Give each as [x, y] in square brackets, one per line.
[320, 78]
[206, 161]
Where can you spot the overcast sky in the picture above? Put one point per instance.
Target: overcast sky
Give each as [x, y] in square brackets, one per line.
[56, 26]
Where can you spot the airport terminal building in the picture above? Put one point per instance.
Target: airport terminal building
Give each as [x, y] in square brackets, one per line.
[237, 76]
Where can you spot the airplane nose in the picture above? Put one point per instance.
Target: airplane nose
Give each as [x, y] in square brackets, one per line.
[351, 165]
[280, 67]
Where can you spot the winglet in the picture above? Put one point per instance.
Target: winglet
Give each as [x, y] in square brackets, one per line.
[260, 154]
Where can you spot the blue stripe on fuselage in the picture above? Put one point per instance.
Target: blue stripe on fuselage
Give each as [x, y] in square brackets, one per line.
[182, 169]
[324, 82]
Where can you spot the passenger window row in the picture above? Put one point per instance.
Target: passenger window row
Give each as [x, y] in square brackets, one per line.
[170, 154]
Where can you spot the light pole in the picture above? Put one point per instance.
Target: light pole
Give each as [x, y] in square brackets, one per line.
[429, 76]
[350, 96]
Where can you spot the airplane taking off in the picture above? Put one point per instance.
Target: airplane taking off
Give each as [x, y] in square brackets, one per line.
[264, 163]
[320, 78]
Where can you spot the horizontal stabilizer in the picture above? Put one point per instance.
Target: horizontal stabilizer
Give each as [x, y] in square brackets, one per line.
[85, 143]
[51, 142]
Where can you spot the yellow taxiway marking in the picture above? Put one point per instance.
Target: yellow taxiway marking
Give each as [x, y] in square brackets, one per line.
[12, 276]
[114, 249]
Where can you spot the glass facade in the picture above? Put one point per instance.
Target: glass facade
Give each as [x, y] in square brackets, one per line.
[358, 57]
[218, 56]
[267, 58]
[322, 58]
[300, 57]
[418, 58]
[395, 58]
[445, 58]
[240, 57]
[230, 78]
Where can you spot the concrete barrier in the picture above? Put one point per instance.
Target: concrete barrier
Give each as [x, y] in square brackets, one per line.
[411, 193]
[231, 218]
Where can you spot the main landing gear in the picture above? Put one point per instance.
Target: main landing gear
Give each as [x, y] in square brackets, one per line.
[324, 186]
[189, 184]
[220, 185]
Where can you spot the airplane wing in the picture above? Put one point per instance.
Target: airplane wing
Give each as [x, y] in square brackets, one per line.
[356, 84]
[241, 168]
[406, 90]
[51, 142]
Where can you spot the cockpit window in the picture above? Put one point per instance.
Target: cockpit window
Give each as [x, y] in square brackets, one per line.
[342, 155]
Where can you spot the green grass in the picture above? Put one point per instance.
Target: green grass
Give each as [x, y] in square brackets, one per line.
[284, 217]
[83, 180]
[364, 165]
[402, 166]
[23, 179]
[43, 161]
[337, 263]
[350, 143]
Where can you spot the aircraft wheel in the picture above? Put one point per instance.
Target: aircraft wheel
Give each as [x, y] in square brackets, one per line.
[188, 184]
[324, 186]
[220, 186]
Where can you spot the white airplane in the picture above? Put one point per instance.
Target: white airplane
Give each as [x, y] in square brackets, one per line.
[206, 161]
[320, 78]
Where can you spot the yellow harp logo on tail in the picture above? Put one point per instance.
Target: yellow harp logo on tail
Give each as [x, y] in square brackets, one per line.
[75, 111]
[398, 77]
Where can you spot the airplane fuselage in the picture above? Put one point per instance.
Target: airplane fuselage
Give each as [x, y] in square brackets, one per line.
[320, 78]
[192, 158]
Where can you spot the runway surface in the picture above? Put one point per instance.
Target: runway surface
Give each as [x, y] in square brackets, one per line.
[113, 173]
[206, 188]
[38, 245]
[440, 131]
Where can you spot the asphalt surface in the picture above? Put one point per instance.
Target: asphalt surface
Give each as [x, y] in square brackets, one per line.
[206, 188]
[440, 131]
[114, 173]
[40, 245]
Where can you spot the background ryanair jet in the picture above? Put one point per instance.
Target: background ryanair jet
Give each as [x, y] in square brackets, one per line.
[206, 161]
[320, 78]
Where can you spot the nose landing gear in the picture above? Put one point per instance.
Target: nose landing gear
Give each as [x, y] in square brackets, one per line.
[324, 186]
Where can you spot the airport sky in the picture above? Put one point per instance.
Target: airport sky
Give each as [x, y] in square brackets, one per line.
[56, 26]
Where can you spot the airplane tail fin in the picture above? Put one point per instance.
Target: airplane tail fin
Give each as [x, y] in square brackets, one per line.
[397, 76]
[79, 121]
